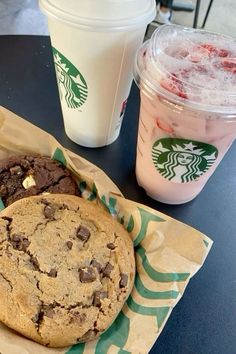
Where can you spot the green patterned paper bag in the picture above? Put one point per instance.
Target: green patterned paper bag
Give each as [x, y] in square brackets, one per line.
[168, 253]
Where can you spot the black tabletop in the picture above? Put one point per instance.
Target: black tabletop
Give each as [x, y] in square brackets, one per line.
[204, 321]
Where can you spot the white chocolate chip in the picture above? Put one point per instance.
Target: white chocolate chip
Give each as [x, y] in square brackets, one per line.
[45, 193]
[29, 182]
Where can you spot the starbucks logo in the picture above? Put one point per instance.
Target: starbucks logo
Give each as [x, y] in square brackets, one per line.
[72, 86]
[181, 160]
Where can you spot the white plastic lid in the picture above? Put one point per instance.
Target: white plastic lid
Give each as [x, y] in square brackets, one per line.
[115, 15]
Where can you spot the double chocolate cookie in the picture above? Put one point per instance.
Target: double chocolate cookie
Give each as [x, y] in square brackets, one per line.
[24, 176]
[66, 269]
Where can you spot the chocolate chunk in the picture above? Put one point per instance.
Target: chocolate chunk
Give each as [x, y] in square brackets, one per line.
[35, 262]
[64, 207]
[97, 265]
[45, 201]
[29, 182]
[25, 163]
[38, 317]
[16, 241]
[49, 212]
[35, 318]
[16, 238]
[98, 296]
[123, 280]
[25, 244]
[48, 311]
[83, 233]
[78, 317]
[87, 275]
[52, 273]
[69, 244]
[3, 191]
[107, 270]
[111, 246]
[20, 243]
[88, 335]
[16, 170]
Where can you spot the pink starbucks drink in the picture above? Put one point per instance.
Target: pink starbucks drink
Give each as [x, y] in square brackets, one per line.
[187, 81]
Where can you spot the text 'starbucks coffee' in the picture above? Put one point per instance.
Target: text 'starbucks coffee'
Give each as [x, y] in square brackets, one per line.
[187, 122]
[94, 45]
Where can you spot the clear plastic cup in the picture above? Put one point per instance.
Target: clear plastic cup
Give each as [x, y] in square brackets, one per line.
[187, 81]
[94, 45]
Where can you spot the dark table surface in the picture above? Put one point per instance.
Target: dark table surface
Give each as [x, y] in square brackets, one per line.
[204, 321]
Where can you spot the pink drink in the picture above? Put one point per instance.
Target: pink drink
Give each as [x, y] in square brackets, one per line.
[187, 122]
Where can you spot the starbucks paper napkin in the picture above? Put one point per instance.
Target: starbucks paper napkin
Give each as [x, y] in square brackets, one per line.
[168, 253]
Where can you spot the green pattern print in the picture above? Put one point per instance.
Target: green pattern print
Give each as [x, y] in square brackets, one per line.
[159, 312]
[159, 276]
[149, 294]
[110, 204]
[2, 206]
[206, 243]
[86, 192]
[59, 156]
[130, 225]
[146, 217]
[126, 221]
[181, 160]
[116, 335]
[71, 83]
[76, 349]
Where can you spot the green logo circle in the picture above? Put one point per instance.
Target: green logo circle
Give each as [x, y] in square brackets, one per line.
[181, 160]
[72, 85]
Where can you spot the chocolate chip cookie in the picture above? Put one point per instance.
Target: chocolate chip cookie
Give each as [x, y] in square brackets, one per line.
[66, 269]
[24, 176]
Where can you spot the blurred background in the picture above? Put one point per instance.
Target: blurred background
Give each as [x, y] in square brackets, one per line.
[221, 17]
[24, 16]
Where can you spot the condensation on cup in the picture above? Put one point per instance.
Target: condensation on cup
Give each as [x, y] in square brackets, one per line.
[94, 44]
[187, 81]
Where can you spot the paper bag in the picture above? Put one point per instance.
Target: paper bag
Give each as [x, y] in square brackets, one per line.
[168, 252]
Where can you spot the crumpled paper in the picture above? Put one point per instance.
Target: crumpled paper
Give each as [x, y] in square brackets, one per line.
[168, 252]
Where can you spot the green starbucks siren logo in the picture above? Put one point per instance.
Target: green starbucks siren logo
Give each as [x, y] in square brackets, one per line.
[72, 86]
[181, 160]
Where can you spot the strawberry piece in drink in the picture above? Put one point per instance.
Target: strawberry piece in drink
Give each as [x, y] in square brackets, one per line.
[214, 51]
[207, 50]
[229, 65]
[173, 85]
[164, 126]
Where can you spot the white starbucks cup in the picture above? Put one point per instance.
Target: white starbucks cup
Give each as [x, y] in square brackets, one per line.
[94, 45]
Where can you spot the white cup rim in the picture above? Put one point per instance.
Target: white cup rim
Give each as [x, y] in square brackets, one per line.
[97, 24]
